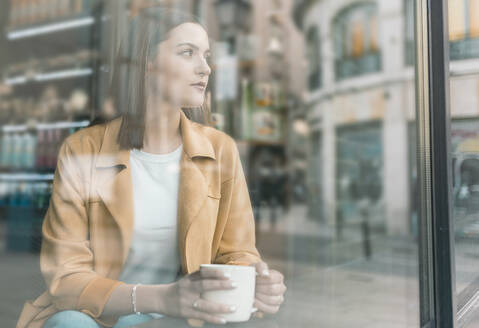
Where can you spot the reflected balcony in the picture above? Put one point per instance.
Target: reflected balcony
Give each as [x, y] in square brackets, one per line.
[350, 67]
[464, 49]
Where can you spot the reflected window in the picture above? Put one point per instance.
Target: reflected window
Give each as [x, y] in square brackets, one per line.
[409, 31]
[197, 8]
[314, 58]
[356, 37]
[464, 29]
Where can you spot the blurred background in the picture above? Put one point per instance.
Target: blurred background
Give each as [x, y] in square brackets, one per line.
[320, 98]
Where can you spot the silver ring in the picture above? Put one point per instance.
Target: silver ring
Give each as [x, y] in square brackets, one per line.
[195, 304]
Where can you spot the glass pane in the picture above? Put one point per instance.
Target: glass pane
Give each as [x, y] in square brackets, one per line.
[321, 182]
[465, 149]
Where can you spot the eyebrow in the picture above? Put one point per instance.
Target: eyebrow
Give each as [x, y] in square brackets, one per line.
[191, 45]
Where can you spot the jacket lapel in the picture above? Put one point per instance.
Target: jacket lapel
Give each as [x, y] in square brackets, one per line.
[114, 185]
[116, 190]
[192, 193]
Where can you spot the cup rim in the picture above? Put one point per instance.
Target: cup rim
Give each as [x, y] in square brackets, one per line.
[214, 265]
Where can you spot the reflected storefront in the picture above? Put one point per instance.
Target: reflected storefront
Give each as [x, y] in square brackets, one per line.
[360, 178]
[337, 117]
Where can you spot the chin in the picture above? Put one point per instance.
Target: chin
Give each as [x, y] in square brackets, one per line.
[193, 104]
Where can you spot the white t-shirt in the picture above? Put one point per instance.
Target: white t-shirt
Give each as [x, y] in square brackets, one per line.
[153, 257]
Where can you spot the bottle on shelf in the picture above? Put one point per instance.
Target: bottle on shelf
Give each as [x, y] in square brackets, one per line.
[41, 149]
[50, 150]
[20, 13]
[28, 153]
[42, 13]
[5, 149]
[32, 12]
[77, 6]
[41, 195]
[21, 150]
[53, 6]
[57, 140]
[17, 148]
[3, 193]
[13, 17]
[63, 8]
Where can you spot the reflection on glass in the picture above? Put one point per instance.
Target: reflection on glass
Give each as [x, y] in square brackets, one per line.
[356, 39]
[464, 64]
[319, 97]
[463, 36]
[464, 29]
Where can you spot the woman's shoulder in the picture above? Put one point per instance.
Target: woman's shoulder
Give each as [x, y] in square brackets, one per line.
[223, 144]
[88, 139]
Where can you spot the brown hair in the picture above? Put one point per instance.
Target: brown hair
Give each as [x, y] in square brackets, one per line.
[150, 27]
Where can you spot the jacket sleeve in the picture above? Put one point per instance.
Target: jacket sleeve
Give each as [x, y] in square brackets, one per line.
[237, 244]
[66, 259]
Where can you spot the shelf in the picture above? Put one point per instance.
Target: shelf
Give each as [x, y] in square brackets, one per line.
[63, 74]
[45, 126]
[26, 177]
[16, 80]
[55, 75]
[50, 28]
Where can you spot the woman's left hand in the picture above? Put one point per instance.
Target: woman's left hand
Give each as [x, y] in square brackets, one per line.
[269, 290]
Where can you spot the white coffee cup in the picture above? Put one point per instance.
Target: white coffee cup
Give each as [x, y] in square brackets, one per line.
[242, 297]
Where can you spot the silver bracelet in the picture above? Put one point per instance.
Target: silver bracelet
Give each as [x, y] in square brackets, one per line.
[133, 299]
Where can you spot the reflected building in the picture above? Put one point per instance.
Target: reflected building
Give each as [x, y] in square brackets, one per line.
[360, 105]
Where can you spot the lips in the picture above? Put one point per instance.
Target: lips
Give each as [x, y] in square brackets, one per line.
[200, 84]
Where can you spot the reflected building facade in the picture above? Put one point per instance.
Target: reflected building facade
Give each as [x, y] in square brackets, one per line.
[361, 104]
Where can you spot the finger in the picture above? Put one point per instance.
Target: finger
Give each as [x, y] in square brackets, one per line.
[271, 290]
[258, 314]
[205, 316]
[274, 277]
[262, 269]
[214, 273]
[213, 307]
[271, 309]
[204, 285]
[270, 300]
[195, 323]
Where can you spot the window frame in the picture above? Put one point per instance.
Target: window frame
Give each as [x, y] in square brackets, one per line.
[314, 68]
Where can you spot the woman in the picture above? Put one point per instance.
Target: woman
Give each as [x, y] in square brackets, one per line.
[140, 202]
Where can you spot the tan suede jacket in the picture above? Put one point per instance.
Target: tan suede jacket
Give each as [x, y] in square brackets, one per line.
[88, 226]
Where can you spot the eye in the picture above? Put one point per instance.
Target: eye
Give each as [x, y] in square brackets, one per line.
[187, 51]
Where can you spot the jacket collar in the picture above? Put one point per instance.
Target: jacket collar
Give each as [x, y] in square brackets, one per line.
[195, 143]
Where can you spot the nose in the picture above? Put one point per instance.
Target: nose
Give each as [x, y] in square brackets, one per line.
[203, 68]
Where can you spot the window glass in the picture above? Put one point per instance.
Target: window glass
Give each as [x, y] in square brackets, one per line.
[463, 39]
[319, 98]
[464, 29]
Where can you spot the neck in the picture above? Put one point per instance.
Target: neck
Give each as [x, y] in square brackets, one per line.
[162, 128]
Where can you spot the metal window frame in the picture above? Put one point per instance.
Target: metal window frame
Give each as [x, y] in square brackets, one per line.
[436, 242]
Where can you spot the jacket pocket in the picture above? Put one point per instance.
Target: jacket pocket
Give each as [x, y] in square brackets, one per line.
[213, 194]
[217, 197]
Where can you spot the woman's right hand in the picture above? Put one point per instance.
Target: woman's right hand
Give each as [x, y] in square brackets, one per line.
[183, 297]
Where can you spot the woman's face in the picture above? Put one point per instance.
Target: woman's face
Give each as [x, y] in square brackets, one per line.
[180, 63]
